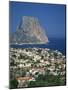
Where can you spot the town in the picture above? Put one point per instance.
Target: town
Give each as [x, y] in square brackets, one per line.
[35, 67]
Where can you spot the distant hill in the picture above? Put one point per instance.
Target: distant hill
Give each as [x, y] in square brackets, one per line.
[29, 31]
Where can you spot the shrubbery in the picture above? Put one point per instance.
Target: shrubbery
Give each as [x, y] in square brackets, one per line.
[13, 84]
[47, 80]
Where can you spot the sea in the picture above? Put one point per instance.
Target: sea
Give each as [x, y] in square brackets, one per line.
[54, 44]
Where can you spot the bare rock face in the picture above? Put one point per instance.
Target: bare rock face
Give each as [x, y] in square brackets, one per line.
[29, 31]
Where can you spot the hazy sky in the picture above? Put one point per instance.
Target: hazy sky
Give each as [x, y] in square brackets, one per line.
[51, 17]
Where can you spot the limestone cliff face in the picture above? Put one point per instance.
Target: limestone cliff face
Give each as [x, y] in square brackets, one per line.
[29, 31]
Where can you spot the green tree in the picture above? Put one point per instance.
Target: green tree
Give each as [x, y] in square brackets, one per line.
[23, 73]
[13, 84]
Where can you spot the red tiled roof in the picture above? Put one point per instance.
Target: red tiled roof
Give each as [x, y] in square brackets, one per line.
[24, 78]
